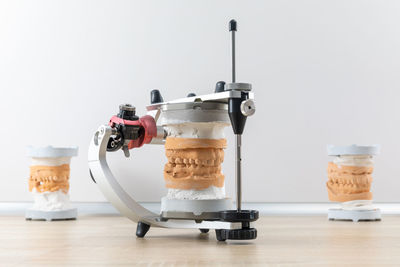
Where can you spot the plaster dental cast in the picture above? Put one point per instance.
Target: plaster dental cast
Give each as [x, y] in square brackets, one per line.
[349, 182]
[49, 183]
[193, 170]
[194, 147]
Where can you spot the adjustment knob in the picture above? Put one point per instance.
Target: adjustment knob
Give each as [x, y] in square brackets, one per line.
[248, 107]
[155, 97]
[220, 87]
[236, 234]
[127, 107]
[127, 112]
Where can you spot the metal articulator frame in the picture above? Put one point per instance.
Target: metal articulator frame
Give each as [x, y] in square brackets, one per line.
[125, 204]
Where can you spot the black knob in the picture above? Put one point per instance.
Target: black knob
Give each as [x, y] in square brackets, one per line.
[239, 216]
[232, 25]
[236, 234]
[220, 87]
[155, 97]
[127, 112]
[191, 95]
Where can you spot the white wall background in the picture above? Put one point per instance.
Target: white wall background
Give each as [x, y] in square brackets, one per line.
[322, 71]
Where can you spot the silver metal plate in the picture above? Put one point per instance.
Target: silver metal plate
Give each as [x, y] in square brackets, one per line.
[216, 97]
[195, 106]
[189, 215]
[238, 86]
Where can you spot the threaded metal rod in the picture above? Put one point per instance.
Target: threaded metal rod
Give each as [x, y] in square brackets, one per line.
[238, 171]
[233, 58]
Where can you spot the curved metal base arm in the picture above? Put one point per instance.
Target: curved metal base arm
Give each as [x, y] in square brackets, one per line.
[126, 205]
[106, 180]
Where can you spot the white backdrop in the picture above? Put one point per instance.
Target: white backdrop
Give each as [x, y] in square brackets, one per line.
[322, 71]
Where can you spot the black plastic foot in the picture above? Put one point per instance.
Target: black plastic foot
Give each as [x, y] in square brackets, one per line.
[142, 229]
[204, 231]
[220, 236]
[236, 234]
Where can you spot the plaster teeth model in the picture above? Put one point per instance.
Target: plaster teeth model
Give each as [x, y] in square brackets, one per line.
[194, 147]
[194, 164]
[49, 183]
[349, 182]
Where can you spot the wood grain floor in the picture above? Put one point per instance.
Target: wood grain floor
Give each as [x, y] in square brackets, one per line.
[282, 241]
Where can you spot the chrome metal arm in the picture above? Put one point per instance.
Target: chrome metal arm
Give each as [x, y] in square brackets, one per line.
[125, 204]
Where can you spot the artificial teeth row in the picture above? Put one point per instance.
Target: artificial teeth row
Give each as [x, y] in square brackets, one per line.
[50, 178]
[209, 162]
[354, 181]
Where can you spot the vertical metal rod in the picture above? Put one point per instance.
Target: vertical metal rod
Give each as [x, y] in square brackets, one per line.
[238, 171]
[233, 58]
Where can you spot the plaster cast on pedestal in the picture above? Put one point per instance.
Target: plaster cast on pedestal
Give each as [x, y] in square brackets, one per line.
[195, 153]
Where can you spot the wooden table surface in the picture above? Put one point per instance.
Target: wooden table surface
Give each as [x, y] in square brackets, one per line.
[283, 241]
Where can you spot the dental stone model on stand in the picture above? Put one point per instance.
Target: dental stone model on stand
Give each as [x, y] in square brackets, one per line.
[194, 147]
[349, 182]
[49, 183]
